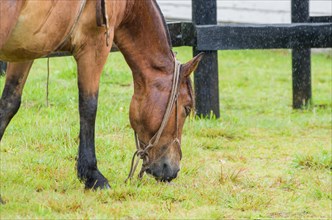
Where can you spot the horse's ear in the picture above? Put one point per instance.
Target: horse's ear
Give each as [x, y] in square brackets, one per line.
[191, 65]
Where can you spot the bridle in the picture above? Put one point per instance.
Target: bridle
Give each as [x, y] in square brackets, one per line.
[142, 152]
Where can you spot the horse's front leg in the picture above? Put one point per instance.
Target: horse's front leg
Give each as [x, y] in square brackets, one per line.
[90, 63]
[10, 101]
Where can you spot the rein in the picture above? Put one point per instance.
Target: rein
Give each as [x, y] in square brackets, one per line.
[142, 153]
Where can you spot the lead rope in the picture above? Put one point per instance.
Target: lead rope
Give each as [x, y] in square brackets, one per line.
[47, 80]
[143, 153]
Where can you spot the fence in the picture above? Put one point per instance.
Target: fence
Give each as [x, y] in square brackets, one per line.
[203, 34]
[245, 11]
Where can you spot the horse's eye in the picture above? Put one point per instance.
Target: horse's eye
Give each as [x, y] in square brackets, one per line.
[188, 110]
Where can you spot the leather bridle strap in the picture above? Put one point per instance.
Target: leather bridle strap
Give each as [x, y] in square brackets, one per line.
[142, 153]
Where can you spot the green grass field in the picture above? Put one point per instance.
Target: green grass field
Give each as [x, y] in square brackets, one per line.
[261, 159]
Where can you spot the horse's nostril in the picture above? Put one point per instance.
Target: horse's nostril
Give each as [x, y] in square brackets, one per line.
[148, 170]
[165, 166]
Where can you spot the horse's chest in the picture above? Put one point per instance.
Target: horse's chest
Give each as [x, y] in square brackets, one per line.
[41, 28]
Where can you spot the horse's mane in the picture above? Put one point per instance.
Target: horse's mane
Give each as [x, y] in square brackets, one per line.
[189, 81]
[164, 24]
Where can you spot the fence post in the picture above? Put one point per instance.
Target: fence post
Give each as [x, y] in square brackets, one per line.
[204, 12]
[301, 59]
[3, 67]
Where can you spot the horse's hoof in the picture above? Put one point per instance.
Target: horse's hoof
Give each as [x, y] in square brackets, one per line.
[97, 182]
[97, 185]
[107, 186]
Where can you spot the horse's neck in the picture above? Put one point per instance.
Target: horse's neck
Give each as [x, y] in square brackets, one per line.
[144, 42]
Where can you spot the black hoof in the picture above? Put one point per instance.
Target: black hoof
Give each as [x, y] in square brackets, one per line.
[97, 181]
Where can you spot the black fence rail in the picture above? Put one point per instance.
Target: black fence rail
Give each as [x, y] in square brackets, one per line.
[203, 34]
[303, 33]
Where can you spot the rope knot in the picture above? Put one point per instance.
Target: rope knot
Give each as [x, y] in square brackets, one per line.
[143, 154]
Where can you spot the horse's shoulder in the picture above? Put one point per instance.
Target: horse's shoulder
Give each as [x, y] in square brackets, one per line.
[9, 11]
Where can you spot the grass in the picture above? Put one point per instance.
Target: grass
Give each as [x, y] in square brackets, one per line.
[261, 159]
[308, 161]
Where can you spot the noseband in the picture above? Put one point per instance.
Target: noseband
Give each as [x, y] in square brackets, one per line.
[142, 153]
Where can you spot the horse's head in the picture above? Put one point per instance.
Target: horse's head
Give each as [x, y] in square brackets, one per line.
[157, 114]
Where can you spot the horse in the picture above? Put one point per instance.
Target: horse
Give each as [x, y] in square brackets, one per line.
[163, 95]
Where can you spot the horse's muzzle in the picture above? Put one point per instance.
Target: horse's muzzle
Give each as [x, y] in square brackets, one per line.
[163, 171]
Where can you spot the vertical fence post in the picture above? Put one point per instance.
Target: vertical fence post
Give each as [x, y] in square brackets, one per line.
[3, 67]
[301, 59]
[204, 12]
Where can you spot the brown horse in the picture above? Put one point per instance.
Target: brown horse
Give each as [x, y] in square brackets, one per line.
[163, 94]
